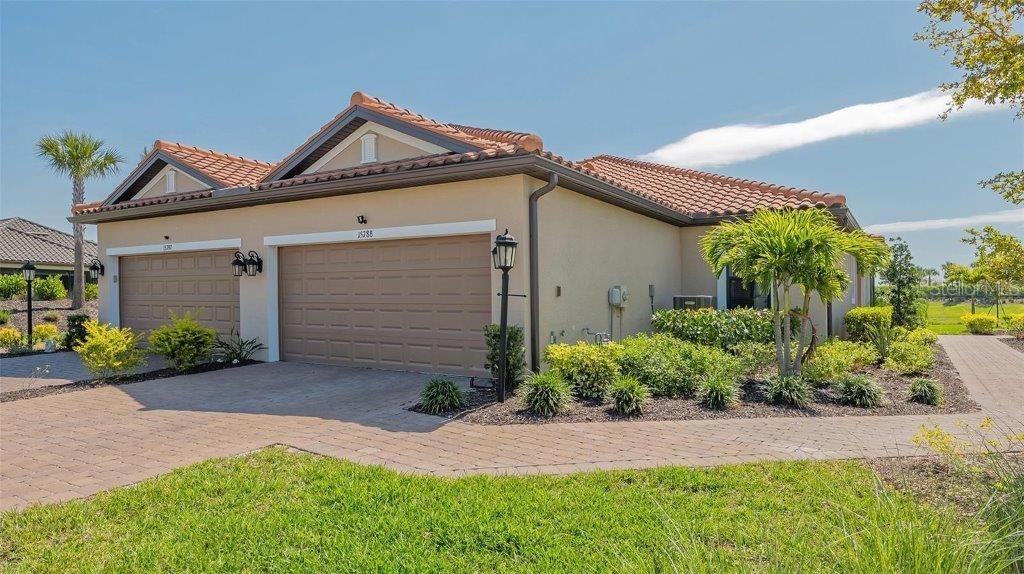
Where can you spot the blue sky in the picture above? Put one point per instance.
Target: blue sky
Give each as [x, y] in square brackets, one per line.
[257, 79]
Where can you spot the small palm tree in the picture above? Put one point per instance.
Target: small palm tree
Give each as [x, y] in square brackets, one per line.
[80, 157]
[789, 252]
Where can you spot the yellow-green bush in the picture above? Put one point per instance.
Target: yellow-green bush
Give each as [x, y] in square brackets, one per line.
[835, 359]
[908, 358]
[860, 319]
[12, 284]
[183, 342]
[589, 369]
[91, 291]
[44, 332]
[49, 288]
[923, 336]
[109, 350]
[1015, 326]
[980, 323]
[10, 337]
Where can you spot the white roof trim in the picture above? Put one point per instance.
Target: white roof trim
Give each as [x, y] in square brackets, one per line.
[353, 138]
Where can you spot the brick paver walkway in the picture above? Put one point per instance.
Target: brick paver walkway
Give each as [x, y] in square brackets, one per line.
[48, 369]
[75, 444]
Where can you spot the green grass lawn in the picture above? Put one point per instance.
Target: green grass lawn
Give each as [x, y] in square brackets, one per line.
[277, 510]
[945, 319]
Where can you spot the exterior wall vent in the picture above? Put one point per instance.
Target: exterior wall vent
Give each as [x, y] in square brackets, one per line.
[369, 142]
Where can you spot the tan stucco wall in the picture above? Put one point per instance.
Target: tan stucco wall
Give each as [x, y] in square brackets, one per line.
[183, 183]
[502, 199]
[697, 278]
[388, 149]
[586, 247]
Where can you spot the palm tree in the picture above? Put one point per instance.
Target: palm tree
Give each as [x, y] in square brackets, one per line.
[971, 276]
[780, 250]
[80, 157]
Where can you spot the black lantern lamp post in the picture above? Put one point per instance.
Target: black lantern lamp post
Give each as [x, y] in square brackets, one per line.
[95, 270]
[504, 255]
[28, 271]
[250, 265]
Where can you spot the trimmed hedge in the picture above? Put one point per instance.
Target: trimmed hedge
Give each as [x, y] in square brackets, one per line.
[716, 328]
[589, 369]
[859, 321]
[980, 323]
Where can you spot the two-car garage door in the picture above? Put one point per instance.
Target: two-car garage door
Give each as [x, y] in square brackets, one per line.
[409, 304]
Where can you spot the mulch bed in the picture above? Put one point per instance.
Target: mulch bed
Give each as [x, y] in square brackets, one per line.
[116, 381]
[62, 307]
[1017, 344]
[753, 403]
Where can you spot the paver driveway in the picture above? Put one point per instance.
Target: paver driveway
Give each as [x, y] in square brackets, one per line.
[75, 444]
[49, 369]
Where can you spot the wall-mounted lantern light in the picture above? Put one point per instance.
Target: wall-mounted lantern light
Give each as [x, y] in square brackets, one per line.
[361, 219]
[250, 265]
[95, 269]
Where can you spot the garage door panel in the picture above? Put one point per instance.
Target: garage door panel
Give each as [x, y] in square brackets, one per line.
[152, 287]
[405, 304]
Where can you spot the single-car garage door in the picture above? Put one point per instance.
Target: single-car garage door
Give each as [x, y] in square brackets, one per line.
[410, 304]
[198, 282]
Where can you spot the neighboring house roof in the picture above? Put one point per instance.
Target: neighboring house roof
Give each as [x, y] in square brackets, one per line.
[24, 240]
[692, 194]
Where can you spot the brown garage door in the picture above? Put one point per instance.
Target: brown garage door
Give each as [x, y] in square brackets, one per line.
[410, 304]
[200, 282]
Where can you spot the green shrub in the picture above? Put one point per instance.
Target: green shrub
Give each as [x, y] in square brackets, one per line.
[629, 396]
[789, 390]
[923, 336]
[441, 394]
[45, 332]
[12, 284]
[657, 362]
[235, 349]
[10, 337]
[980, 323]
[908, 358]
[516, 352]
[49, 288]
[859, 391]
[882, 338]
[754, 356]
[588, 368]
[925, 391]
[92, 291]
[76, 330]
[717, 392]
[546, 394]
[1015, 326]
[860, 319]
[109, 350]
[716, 328]
[51, 316]
[5, 316]
[183, 342]
[835, 359]
[862, 354]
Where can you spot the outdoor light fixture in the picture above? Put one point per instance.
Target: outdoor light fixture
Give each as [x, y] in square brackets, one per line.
[28, 271]
[504, 255]
[250, 265]
[95, 269]
[361, 219]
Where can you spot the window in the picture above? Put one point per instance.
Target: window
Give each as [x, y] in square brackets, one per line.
[740, 294]
[369, 142]
[171, 184]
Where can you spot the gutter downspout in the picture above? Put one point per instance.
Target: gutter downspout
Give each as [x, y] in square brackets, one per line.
[534, 273]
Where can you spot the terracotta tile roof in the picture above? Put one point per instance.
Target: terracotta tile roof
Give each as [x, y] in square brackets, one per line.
[699, 193]
[21, 240]
[98, 207]
[229, 170]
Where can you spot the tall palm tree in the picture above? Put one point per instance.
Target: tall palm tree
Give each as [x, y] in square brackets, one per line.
[785, 250]
[78, 156]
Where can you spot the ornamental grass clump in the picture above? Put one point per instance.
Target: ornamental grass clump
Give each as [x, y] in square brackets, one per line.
[589, 369]
[441, 394]
[717, 392]
[629, 396]
[546, 394]
[925, 391]
[183, 342]
[789, 390]
[907, 358]
[859, 391]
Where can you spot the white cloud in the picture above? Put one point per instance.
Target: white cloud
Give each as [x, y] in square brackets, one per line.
[739, 142]
[1008, 216]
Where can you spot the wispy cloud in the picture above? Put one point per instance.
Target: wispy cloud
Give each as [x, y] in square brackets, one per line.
[739, 142]
[1008, 216]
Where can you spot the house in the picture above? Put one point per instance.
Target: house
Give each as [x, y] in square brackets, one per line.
[374, 236]
[52, 251]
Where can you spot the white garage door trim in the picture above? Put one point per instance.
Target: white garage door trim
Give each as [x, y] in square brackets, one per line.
[113, 264]
[272, 242]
